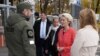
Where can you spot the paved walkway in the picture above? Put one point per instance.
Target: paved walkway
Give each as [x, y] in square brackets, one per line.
[4, 51]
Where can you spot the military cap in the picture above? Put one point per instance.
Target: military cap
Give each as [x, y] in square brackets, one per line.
[23, 5]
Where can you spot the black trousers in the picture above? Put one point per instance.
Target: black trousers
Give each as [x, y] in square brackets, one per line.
[40, 48]
[53, 51]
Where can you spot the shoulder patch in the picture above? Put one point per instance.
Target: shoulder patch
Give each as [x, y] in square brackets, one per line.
[30, 33]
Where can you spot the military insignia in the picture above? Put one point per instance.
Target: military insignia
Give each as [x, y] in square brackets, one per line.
[30, 33]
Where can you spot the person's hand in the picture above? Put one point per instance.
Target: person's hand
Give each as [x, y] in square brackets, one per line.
[60, 49]
[46, 51]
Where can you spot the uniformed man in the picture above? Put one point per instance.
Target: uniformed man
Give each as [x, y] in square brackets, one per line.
[18, 33]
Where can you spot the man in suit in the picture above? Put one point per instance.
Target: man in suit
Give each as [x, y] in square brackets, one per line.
[41, 28]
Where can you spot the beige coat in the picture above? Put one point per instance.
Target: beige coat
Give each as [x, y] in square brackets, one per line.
[86, 42]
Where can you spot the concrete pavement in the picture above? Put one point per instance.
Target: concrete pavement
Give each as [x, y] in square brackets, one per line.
[4, 51]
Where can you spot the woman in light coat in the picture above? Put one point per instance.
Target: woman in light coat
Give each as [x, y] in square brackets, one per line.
[86, 40]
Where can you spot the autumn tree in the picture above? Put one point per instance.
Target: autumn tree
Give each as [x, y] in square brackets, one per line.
[53, 6]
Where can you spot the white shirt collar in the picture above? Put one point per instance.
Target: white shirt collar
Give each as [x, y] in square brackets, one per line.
[44, 20]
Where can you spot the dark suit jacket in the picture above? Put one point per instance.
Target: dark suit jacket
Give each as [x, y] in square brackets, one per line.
[51, 34]
[56, 36]
[36, 28]
[53, 48]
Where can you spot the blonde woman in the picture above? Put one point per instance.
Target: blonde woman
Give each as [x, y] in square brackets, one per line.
[66, 35]
[86, 40]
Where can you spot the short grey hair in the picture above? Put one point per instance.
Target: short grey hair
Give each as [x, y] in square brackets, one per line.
[55, 17]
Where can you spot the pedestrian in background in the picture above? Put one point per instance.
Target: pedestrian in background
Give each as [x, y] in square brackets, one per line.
[41, 28]
[66, 35]
[18, 34]
[87, 38]
[37, 16]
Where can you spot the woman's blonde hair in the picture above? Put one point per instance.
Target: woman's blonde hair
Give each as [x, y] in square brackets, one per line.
[87, 17]
[68, 17]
